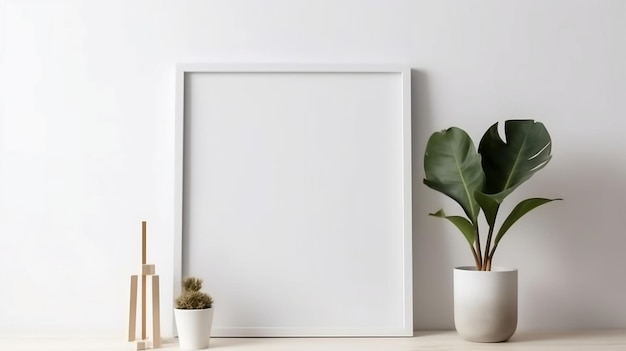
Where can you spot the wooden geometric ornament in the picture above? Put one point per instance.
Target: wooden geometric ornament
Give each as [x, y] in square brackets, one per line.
[146, 271]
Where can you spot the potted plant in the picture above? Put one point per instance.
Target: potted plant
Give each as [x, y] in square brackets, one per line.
[193, 315]
[485, 296]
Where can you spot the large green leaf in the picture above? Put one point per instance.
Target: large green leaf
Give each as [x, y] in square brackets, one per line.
[490, 207]
[452, 166]
[507, 164]
[462, 223]
[520, 210]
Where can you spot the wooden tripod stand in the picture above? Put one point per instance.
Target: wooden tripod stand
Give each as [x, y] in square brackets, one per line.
[147, 270]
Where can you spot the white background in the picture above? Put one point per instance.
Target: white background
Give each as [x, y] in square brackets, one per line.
[87, 139]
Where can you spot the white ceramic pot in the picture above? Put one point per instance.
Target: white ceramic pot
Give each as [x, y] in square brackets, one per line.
[194, 328]
[485, 303]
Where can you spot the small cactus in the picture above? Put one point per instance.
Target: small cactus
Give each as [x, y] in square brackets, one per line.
[192, 298]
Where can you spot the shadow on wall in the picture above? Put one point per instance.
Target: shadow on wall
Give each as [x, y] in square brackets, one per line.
[574, 279]
[432, 285]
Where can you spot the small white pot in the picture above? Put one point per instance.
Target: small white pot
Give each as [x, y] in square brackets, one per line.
[194, 328]
[485, 303]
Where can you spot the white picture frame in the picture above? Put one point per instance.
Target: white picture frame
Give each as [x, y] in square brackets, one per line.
[293, 197]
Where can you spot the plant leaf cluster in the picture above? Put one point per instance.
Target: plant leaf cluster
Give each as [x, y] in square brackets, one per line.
[191, 297]
[479, 181]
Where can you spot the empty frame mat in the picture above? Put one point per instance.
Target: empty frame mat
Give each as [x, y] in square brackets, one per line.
[295, 205]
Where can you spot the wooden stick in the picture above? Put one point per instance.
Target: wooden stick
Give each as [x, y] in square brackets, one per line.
[132, 316]
[143, 243]
[147, 269]
[156, 313]
[143, 281]
[141, 345]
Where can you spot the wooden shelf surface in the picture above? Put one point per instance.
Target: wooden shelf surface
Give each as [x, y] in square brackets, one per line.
[600, 340]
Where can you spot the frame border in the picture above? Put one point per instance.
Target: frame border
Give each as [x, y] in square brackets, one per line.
[183, 69]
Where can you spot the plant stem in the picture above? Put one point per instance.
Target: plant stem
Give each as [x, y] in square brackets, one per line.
[488, 254]
[478, 248]
[476, 259]
[493, 251]
[487, 262]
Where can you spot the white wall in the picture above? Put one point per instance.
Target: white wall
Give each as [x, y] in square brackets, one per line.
[87, 149]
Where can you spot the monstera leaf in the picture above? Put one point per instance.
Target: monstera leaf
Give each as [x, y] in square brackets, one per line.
[507, 164]
[453, 167]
